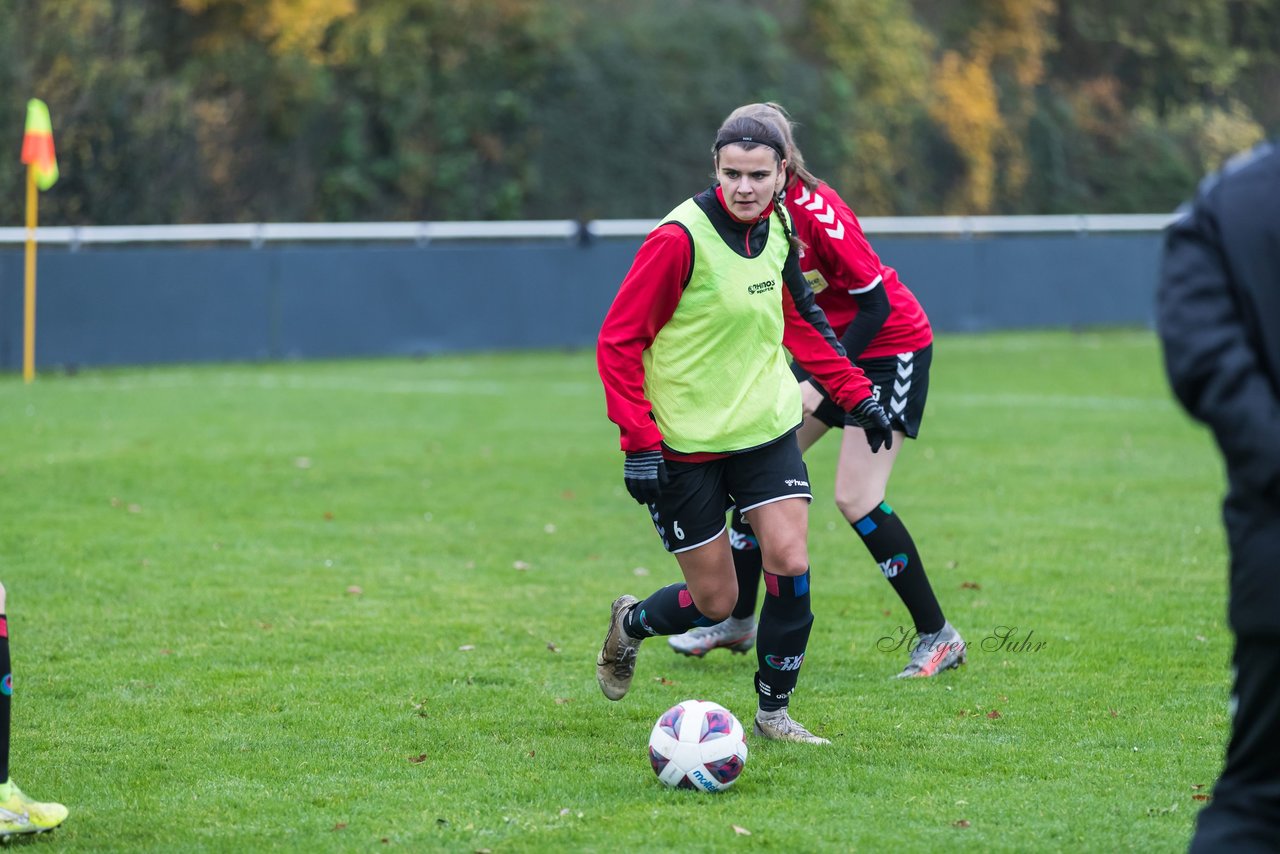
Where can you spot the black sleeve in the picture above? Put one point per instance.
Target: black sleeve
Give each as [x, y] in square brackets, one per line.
[806, 305]
[873, 311]
[1209, 356]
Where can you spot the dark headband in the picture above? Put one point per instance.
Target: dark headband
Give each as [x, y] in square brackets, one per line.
[735, 140]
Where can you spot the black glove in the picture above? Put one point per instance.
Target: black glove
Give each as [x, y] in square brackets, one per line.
[645, 474]
[872, 418]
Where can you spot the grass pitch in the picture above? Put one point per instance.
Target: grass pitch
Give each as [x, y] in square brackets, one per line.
[355, 606]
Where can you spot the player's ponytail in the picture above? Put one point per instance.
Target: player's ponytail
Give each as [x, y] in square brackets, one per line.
[780, 210]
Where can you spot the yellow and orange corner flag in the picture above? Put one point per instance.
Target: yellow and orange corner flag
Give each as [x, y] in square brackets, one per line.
[37, 145]
[42, 172]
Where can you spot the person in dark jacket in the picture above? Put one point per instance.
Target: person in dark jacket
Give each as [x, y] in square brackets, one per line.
[1218, 318]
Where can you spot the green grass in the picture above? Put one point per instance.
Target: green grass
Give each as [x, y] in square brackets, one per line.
[355, 606]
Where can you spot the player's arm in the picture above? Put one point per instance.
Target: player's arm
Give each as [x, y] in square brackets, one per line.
[804, 303]
[873, 311]
[808, 336]
[1208, 351]
[847, 385]
[645, 302]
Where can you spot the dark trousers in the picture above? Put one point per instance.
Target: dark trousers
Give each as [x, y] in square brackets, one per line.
[1244, 815]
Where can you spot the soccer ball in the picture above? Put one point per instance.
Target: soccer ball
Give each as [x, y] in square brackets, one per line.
[697, 745]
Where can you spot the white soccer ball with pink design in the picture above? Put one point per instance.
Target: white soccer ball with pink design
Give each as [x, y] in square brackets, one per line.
[699, 745]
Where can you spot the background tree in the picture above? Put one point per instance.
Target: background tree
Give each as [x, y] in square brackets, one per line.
[332, 110]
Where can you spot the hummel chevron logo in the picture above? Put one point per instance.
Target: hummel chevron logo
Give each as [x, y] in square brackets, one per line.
[905, 371]
[898, 404]
[901, 389]
[823, 212]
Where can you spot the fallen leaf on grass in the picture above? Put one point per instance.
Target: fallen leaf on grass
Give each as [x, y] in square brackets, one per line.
[521, 566]
[419, 759]
[560, 701]
[466, 647]
[662, 680]
[1114, 713]
[970, 585]
[741, 831]
[355, 590]
[1195, 787]
[994, 715]
[640, 571]
[166, 652]
[549, 528]
[961, 824]
[1200, 797]
[328, 515]
[342, 825]
[551, 646]
[564, 811]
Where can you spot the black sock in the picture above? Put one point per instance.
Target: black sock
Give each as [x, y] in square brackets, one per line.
[6, 695]
[785, 621]
[891, 546]
[669, 611]
[746, 563]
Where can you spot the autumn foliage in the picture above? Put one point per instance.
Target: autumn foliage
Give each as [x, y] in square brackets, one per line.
[332, 110]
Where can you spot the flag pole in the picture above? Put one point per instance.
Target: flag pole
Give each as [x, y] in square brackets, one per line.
[29, 310]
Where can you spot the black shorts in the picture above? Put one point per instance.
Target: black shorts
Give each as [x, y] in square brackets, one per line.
[899, 383]
[691, 511]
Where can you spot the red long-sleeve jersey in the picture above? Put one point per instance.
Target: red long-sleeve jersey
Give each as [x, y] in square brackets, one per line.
[839, 263]
[647, 299]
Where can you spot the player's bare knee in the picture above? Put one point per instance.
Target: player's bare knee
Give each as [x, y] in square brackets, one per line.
[719, 615]
[790, 562]
[717, 608]
[2, 610]
[855, 504]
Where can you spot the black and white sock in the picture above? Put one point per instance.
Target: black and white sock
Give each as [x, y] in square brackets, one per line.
[747, 565]
[891, 546]
[669, 611]
[785, 621]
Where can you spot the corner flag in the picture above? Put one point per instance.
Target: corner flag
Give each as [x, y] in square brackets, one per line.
[42, 173]
[37, 145]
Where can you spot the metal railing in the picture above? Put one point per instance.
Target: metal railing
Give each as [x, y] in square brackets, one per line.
[421, 233]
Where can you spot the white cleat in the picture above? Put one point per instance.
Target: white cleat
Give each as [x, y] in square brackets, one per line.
[733, 634]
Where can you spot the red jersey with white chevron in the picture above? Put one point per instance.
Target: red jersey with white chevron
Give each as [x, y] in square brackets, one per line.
[839, 262]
